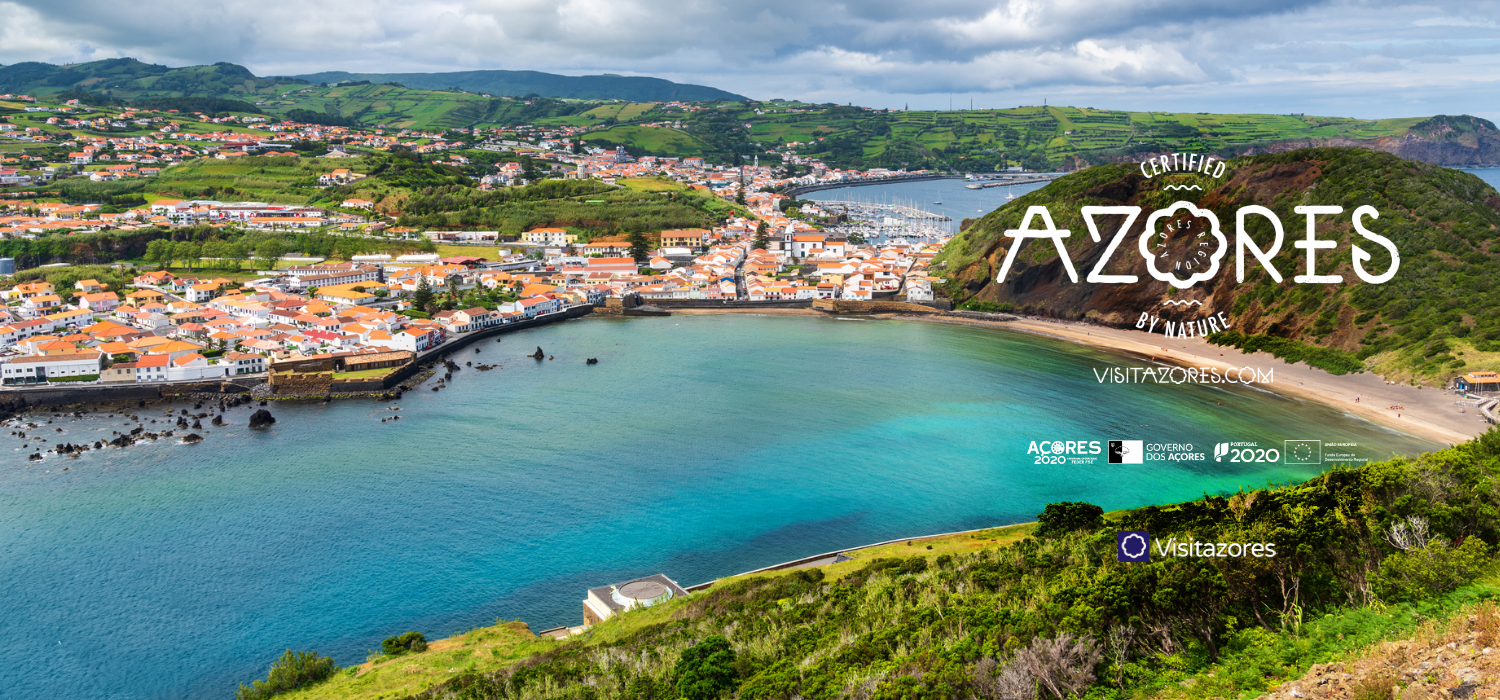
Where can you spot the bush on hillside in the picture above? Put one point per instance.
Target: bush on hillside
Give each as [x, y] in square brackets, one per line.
[706, 670]
[1327, 359]
[1059, 519]
[403, 643]
[1056, 668]
[293, 670]
[989, 307]
[1437, 568]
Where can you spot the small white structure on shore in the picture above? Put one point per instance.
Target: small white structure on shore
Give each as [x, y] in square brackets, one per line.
[605, 602]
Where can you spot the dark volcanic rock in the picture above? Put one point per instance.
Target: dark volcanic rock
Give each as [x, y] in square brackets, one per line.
[262, 419]
[191, 438]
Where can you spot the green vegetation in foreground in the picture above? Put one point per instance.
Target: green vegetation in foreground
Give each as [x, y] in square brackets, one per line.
[965, 615]
[1439, 316]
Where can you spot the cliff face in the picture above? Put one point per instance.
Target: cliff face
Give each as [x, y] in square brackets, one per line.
[1442, 222]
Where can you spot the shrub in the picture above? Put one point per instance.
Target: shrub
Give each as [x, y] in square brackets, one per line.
[1062, 667]
[293, 670]
[989, 307]
[1377, 687]
[1062, 518]
[1438, 568]
[706, 670]
[400, 644]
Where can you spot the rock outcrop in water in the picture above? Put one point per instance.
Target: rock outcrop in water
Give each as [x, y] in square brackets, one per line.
[261, 419]
[538, 354]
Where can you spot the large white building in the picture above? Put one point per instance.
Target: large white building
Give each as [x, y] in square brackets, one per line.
[35, 369]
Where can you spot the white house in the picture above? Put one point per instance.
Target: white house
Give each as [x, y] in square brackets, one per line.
[193, 366]
[33, 369]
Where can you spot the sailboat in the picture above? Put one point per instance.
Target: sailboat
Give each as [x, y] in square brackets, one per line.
[1009, 194]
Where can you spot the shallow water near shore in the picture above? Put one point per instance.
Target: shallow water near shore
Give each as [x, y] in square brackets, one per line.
[699, 446]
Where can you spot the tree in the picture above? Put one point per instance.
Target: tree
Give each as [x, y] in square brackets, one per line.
[1062, 518]
[238, 253]
[188, 252]
[159, 251]
[640, 248]
[268, 252]
[762, 237]
[422, 298]
[857, 238]
[706, 670]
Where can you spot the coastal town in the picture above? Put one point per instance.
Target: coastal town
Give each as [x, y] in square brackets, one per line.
[371, 314]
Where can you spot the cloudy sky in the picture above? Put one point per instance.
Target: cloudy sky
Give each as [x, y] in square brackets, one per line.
[1347, 58]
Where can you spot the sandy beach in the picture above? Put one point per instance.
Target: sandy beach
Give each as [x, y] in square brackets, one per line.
[1423, 411]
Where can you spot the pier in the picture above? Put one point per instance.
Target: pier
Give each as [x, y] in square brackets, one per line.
[804, 189]
[979, 182]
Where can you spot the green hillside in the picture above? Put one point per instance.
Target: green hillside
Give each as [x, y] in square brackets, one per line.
[729, 126]
[417, 100]
[1030, 612]
[525, 82]
[1437, 316]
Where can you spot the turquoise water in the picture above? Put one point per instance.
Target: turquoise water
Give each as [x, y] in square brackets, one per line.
[698, 446]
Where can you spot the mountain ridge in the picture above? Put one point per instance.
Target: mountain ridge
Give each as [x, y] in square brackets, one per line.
[134, 78]
[519, 83]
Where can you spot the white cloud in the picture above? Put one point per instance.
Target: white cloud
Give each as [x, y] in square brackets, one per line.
[1338, 56]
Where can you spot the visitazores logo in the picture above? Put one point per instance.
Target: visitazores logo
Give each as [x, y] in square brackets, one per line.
[1133, 546]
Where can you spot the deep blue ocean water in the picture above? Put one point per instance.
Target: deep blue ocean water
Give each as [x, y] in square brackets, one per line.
[699, 446]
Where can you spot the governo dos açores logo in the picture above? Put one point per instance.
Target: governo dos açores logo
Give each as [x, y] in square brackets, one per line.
[1184, 244]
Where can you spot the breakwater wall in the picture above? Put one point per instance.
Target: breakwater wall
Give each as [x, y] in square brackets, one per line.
[841, 306]
[865, 183]
[426, 358]
[712, 304]
[109, 393]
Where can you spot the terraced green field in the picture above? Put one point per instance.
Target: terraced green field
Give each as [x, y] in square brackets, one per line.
[652, 140]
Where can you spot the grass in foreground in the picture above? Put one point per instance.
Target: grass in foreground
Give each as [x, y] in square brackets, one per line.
[476, 651]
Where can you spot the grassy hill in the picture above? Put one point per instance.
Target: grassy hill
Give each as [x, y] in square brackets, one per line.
[520, 83]
[644, 140]
[419, 100]
[1437, 316]
[1070, 137]
[1033, 611]
[1038, 138]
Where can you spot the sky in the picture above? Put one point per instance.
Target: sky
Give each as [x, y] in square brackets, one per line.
[1342, 58]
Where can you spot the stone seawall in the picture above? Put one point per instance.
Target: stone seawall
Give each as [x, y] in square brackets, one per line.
[841, 306]
[108, 393]
[711, 304]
